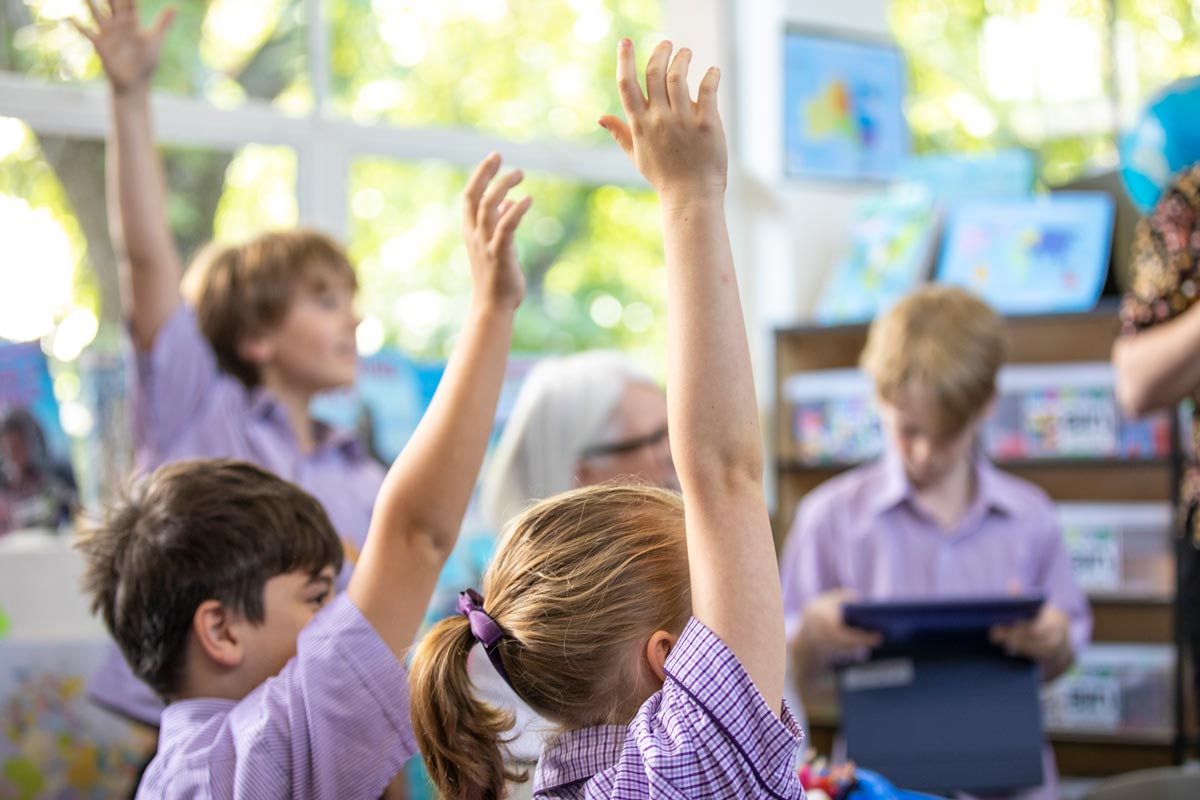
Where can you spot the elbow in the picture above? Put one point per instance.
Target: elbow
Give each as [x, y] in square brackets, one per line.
[727, 474]
[1133, 392]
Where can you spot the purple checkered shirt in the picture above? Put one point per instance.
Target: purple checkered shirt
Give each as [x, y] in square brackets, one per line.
[707, 734]
[333, 724]
[185, 407]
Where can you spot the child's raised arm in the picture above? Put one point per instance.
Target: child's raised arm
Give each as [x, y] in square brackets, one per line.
[137, 194]
[679, 146]
[420, 508]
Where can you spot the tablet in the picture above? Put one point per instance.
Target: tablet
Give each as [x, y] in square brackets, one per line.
[914, 623]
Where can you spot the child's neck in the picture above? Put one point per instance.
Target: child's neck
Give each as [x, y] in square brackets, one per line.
[295, 404]
[949, 499]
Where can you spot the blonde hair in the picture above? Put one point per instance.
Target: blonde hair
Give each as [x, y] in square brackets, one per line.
[240, 291]
[580, 583]
[564, 406]
[942, 340]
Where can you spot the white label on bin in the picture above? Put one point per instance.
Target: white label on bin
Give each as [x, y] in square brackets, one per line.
[886, 674]
[1095, 557]
[1092, 701]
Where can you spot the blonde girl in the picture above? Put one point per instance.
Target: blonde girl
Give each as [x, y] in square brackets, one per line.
[648, 628]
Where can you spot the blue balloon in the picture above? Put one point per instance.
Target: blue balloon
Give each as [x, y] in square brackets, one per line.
[1164, 140]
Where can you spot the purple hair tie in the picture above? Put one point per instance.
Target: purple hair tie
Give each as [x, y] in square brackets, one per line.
[484, 628]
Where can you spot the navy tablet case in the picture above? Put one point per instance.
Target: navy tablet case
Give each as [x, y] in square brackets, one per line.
[938, 708]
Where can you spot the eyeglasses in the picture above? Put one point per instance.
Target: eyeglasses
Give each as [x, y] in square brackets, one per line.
[627, 446]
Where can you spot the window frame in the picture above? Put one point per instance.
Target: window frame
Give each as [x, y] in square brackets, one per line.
[325, 142]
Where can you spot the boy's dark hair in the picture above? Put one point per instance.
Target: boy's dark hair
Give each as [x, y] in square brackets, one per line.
[193, 531]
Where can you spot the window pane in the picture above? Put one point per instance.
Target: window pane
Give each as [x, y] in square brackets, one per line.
[592, 257]
[987, 74]
[523, 68]
[224, 50]
[1158, 41]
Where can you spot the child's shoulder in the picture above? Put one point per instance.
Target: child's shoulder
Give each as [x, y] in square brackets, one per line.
[851, 489]
[1020, 497]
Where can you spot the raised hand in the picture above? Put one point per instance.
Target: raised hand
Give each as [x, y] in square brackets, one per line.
[678, 144]
[128, 52]
[490, 221]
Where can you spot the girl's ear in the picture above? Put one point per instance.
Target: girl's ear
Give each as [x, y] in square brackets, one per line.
[657, 649]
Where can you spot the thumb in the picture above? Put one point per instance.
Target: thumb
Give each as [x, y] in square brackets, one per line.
[619, 131]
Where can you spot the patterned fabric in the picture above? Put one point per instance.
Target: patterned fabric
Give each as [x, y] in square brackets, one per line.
[861, 531]
[333, 724]
[184, 407]
[707, 734]
[1166, 282]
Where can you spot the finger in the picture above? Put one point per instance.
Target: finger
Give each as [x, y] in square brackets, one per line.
[505, 205]
[161, 23]
[506, 227]
[706, 97]
[619, 131]
[96, 15]
[632, 99]
[478, 182]
[120, 7]
[488, 205]
[77, 25]
[677, 87]
[656, 74]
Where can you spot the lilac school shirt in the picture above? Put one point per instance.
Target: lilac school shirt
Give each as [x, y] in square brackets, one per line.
[707, 734]
[184, 406]
[333, 724]
[862, 531]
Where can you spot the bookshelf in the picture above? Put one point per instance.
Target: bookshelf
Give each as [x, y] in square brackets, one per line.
[1144, 620]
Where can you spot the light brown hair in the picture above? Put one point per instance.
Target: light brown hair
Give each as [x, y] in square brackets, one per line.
[194, 531]
[942, 340]
[242, 291]
[579, 584]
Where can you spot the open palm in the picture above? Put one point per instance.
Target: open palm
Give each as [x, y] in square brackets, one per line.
[128, 52]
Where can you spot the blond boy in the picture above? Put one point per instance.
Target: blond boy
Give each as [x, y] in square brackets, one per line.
[933, 517]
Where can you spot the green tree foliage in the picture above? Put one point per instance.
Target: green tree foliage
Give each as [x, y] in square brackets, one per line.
[522, 69]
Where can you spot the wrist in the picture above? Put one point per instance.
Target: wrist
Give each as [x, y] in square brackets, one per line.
[689, 200]
[136, 94]
[492, 311]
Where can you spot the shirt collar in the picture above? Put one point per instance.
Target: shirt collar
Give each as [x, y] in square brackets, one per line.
[895, 488]
[182, 717]
[577, 756]
[264, 406]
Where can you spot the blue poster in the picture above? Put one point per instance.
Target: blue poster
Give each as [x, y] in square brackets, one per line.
[843, 108]
[1042, 255]
[37, 485]
[386, 403]
[891, 241]
[956, 178]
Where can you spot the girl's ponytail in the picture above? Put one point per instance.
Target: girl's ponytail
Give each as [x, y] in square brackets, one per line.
[459, 735]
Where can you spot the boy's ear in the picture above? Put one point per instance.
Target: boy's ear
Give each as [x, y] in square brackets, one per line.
[657, 649]
[218, 634]
[257, 348]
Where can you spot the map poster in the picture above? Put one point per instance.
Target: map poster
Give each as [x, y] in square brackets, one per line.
[1037, 256]
[843, 107]
[889, 253]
